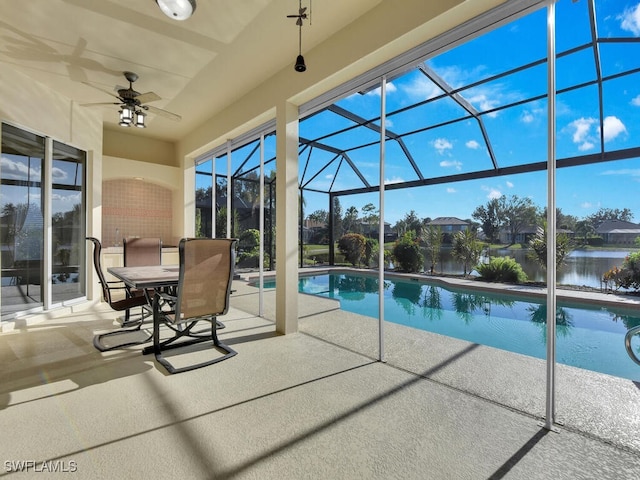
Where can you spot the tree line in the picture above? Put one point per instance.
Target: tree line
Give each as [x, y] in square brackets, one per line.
[514, 213]
[511, 214]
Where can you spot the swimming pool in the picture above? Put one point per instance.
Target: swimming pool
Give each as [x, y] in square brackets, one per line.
[587, 337]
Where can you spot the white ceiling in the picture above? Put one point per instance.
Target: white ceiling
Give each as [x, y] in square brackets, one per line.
[197, 67]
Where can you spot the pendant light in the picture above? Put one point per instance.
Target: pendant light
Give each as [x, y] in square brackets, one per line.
[302, 15]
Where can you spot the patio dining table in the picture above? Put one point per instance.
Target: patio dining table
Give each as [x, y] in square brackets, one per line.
[149, 279]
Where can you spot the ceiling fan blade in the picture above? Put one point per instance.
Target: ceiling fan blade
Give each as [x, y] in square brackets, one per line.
[76, 73]
[102, 90]
[302, 10]
[148, 97]
[98, 104]
[163, 113]
[299, 22]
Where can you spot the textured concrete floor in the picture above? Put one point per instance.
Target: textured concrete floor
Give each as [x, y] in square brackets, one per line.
[315, 404]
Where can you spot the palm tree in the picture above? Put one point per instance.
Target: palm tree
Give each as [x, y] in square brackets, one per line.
[538, 244]
[432, 237]
[467, 248]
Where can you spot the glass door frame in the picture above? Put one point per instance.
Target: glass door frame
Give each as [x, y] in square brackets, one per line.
[46, 184]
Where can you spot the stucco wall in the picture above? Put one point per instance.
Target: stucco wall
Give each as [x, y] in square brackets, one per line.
[33, 107]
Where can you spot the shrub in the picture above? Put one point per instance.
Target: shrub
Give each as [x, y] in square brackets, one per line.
[627, 276]
[615, 278]
[249, 242]
[352, 246]
[595, 241]
[502, 269]
[370, 250]
[631, 266]
[249, 248]
[407, 254]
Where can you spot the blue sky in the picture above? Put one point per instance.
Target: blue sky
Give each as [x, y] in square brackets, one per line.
[517, 134]
[17, 167]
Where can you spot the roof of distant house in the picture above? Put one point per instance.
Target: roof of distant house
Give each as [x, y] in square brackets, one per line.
[447, 221]
[617, 226]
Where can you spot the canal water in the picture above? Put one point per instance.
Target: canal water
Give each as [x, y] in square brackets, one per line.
[583, 267]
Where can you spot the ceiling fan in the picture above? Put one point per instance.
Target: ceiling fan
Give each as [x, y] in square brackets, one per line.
[302, 15]
[133, 104]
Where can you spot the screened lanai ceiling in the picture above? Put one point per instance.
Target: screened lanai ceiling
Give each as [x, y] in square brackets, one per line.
[480, 109]
[470, 120]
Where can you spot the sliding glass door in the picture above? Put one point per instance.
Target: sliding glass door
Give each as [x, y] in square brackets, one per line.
[68, 244]
[42, 219]
[22, 225]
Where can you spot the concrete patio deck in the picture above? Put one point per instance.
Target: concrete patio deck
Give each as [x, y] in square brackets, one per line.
[315, 404]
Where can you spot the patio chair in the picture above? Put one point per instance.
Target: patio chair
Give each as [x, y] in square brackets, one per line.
[141, 252]
[130, 301]
[202, 294]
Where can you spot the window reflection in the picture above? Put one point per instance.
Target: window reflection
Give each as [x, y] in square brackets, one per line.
[22, 223]
[68, 243]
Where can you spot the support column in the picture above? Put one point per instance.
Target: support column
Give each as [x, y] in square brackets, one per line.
[287, 219]
[550, 419]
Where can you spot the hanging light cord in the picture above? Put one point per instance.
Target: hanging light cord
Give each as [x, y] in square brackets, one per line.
[300, 39]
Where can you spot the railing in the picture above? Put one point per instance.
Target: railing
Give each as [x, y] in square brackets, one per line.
[627, 343]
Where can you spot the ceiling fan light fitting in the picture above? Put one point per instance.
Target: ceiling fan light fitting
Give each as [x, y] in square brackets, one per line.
[126, 116]
[177, 9]
[132, 108]
[140, 119]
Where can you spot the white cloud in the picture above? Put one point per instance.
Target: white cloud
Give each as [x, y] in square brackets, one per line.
[636, 101]
[451, 190]
[613, 127]
[494, 193]
[534, 114]
[589, 205]
[393, 180]
[442, 145]
[527, 117]
[581, 127]
[583, 135]
[626, 172]
[630, 20]
[58, 174]
[17, 170]
[582, 132]
[509, 184]
[485, 97]
[485, 101]
[390, 88]
[422, 89]
[64, 201]
[388, 123]
[451, 163]
[472, 144]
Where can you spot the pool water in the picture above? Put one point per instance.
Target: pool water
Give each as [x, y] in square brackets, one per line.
[587, 337]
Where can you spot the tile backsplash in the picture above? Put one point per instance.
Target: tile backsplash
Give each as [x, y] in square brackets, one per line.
[135, 208]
